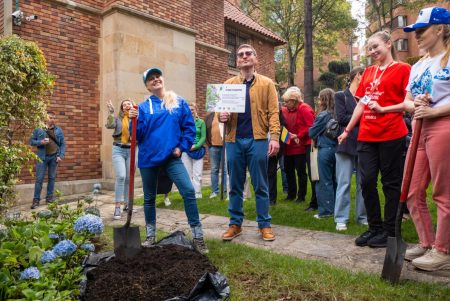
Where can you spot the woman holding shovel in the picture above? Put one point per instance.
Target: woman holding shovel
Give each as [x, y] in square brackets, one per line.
[429, 98]
[165, 129]
[381, 136]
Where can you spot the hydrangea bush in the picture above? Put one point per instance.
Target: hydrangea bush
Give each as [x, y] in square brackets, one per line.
[42, 259]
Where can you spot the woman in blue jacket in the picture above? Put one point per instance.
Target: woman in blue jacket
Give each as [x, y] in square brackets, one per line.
[165, 129]
[326, 186]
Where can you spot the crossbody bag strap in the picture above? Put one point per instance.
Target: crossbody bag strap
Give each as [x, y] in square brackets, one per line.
[52, 137]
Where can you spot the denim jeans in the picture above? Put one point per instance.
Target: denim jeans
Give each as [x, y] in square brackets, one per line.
[215, 156]
[49, 163]
[176, 171]
[251, 153]
[121, 164]
[345, 164]
[326, 186]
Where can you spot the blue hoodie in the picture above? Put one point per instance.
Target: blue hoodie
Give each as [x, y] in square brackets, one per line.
[160, 132]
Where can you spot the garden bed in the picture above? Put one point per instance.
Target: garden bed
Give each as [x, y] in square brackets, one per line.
[159, 273]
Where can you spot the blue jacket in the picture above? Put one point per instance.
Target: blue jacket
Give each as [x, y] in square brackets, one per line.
[317, 129]
[158, 134]
[39, 134]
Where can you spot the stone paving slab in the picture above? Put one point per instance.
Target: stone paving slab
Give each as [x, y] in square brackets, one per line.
[335, 249]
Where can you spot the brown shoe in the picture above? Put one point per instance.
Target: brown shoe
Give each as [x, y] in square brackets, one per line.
[232, 232]
[267, 234]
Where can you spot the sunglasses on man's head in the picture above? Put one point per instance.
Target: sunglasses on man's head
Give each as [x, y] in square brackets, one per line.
[247, 53]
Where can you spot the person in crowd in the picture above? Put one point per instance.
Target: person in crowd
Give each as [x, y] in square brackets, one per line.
[429, 97]
[216, 151]
[165, 129]
[120, 152]
[273, 169]
[51, 148]
[381, 136]
[347, 157]
[326, 186]
[299, 117]
[247, 144]
[193, 159]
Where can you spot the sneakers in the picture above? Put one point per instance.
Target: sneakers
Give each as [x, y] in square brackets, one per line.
[198, 195]
[364, 223]
[433, 260]
[341, 227]
[310, 208]
[125, 208]
[117, 213]
[232, 232]
[200, 246]
[50, 200]
[149, 242]
[35, 204]
[379, 240]
[167, 202]
[267, 234]
[362, 240]
[317, 216]
[415, 252]
[213, 195]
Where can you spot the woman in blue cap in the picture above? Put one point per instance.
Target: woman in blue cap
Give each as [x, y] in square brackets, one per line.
[165, 129]
[429, 98]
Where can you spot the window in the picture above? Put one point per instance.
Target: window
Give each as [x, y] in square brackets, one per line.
[401, 45]
[400, 22]
[234, 39]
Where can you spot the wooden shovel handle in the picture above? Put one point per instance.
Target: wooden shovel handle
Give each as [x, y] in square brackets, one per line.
[132, 169]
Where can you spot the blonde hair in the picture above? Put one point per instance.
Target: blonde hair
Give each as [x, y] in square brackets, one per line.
[293, 93]
[170, 100]
[194, 105]
[446, 36]
[326, 98]
[385, 37]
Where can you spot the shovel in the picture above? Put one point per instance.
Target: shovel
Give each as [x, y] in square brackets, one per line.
[127, 241]
[396, 247]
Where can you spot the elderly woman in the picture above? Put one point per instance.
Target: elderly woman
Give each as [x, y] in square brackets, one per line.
[165, 129]
[299, 117]
[120, 152]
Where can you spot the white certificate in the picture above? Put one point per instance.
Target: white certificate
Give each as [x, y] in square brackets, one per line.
[225, 98]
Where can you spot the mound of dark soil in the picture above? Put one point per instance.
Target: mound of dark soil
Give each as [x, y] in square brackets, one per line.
[158, 273]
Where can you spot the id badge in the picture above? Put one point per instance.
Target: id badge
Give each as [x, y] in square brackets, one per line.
[365, 100]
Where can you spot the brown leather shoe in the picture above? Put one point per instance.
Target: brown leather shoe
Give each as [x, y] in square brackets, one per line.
[232, 232]
[267, 234]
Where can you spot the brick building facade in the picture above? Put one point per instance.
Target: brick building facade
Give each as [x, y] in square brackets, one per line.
[98, 50]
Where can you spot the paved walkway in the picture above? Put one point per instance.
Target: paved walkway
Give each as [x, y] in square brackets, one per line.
[336, 249]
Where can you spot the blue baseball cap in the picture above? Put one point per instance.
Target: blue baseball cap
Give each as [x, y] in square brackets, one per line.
[429, 16]
[149, 72]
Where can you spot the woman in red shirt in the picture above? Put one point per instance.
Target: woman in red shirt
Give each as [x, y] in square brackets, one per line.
[381, 137]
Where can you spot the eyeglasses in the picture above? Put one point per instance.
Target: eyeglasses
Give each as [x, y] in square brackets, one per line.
[153, 77]
[246, 53]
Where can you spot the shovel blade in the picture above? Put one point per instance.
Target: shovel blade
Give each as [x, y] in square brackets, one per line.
[394, 259]
[127, 242]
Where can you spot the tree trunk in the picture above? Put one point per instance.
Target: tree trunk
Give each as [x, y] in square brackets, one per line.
[308, 71]
[292, 61]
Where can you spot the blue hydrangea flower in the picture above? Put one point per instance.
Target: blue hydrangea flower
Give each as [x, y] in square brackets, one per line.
[53, 236]
[48, 256]
[90, 223]
[30, 273]
[64, 248]
[88, 247]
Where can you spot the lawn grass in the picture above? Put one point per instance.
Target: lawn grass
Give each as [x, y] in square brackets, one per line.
[288, 213]
[255, 274]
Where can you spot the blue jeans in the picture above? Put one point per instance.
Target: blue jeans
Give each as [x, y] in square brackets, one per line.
[121, 164]
[247, 152]
[326, 186]
[41, 168]
[215, 155]
[176, 171]
[345, 164]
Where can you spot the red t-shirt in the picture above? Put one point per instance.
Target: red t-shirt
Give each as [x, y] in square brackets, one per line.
[391, 90]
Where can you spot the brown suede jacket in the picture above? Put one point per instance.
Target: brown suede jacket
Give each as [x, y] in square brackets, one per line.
[264, 106]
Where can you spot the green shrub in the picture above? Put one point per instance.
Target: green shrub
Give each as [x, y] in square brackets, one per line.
[25, 87]
[339, 67]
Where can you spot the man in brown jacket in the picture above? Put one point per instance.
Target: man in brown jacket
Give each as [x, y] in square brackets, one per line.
[247, 143]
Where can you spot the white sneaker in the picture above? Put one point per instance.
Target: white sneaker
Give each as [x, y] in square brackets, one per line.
[433, 260]
[415, 252]
[198, 195]
[341, 227]
[167, 202]
[117, 213]
[213, 195]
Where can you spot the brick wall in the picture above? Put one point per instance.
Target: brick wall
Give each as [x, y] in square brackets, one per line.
[178, 11]
[69, 40]
[1, 18]
[208, 20]
[266, 61]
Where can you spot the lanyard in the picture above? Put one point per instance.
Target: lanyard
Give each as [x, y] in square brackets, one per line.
[376, 81]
